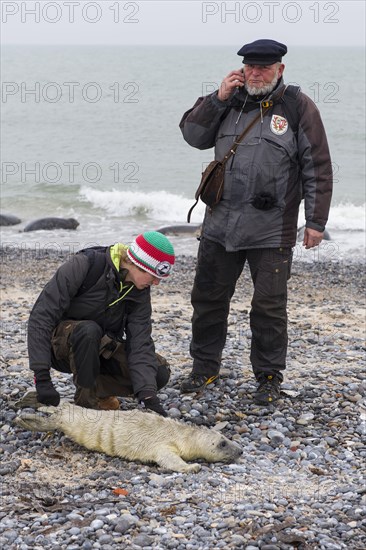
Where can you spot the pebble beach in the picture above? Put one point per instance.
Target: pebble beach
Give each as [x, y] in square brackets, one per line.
[300, 482]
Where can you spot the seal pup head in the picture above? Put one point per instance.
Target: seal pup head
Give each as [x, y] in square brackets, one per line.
[207, 444]
[221, 449]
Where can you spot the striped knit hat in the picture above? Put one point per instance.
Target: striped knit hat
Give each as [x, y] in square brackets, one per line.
[152, 252]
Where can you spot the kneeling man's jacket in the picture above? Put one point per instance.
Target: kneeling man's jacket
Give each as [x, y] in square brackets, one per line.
[119, 308]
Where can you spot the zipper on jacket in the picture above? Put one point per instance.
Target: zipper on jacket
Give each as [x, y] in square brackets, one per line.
[242, 109]
[121, 297]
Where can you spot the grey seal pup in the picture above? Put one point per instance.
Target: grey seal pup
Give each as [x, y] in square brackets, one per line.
[135, 435]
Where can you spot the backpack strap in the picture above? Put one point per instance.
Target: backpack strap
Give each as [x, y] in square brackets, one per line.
[97, 261]
[289, 101]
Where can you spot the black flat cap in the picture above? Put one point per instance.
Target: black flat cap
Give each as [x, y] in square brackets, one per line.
[262, 52]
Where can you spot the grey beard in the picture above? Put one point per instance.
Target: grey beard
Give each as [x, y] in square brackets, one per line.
[253, 90]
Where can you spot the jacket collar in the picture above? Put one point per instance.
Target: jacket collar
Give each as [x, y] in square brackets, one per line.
[114, 259]
[252, 101]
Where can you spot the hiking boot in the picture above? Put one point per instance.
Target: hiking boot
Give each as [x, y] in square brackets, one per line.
[197, 382]
[86, 397]
[268, 390]
[108, 403]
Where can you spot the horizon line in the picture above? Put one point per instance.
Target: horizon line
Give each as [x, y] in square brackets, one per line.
[207, 45]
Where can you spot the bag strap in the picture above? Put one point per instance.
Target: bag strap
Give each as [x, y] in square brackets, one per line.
[190, 211]
[241, 137]
[290, 105]
[97, 262]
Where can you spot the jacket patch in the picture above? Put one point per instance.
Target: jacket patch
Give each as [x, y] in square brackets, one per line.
[278, 125]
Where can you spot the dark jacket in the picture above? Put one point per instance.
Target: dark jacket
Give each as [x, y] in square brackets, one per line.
[269, 165]
[120, 309]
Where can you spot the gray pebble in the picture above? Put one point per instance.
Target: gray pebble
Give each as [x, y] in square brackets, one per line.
[174, 413]
[238, 540]
[10, 535]
[142, 541]
[105, 539]
[276, 437]
[97, 524]
[125, 522]
[122, 526]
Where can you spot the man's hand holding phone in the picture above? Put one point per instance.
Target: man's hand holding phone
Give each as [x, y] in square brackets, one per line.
[233, 80]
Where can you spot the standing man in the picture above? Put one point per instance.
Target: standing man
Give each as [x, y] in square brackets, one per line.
[282, 159]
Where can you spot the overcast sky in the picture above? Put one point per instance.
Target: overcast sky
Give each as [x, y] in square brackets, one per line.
[182, 22]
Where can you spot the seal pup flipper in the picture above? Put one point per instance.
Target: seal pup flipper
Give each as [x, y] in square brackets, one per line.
[29, 399]
[168, 459]
[37, 422]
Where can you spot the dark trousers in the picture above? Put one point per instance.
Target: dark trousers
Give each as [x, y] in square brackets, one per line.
[98, 363]
[216, 277]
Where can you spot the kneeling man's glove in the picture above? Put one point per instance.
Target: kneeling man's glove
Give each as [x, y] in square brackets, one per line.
[153, 404]
[46, 392]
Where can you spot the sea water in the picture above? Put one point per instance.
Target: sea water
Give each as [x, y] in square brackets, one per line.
[92, 132]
